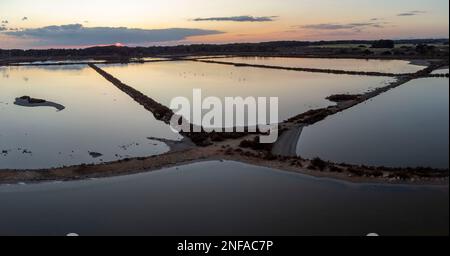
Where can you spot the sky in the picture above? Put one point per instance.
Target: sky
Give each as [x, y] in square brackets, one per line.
[74, 24]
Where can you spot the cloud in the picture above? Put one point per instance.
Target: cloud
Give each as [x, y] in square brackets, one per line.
[411, 13]
[5, 22]
[25, 18]
[3, 28]
[78, 35]
[239, 19]
[356, 26]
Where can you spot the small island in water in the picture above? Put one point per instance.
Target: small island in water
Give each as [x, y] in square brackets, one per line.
[27, 101]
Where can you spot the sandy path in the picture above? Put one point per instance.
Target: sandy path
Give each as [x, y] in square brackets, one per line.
[286, 144]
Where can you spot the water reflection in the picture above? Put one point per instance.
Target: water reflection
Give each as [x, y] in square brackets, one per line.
[227, 198]
[407, 126]
[98, 118]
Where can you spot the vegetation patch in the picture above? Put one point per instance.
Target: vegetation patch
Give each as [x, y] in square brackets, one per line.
[318, 163]
[255, 144]
[343, 97]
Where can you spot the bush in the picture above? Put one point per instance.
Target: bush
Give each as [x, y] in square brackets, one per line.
[383, 44]
[368, 52]
[319, 163]
[335, 169]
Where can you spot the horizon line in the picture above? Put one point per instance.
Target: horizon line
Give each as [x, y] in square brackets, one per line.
[120, 45]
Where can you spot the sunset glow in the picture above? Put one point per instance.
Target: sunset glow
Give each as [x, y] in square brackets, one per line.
[24, 24]
[199, 124]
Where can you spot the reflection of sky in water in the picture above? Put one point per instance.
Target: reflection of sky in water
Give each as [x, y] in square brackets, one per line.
[384, 66]
[440, 71]
[407, 126]
[6, 71]
[298, 92]
[98, 118]
[62, 61]
[228, 198]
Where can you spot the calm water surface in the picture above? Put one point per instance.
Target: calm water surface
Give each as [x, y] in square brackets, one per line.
[384, 66]
[62, 62]
[441, 71]
[98, 118]
[229, 198]
[298, 92]
[149, 59]
[407, 126]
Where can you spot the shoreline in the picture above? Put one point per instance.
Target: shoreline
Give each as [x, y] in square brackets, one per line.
[422, 63]
[106, 59]
[29, 102]
[103, 62]
[223, 152]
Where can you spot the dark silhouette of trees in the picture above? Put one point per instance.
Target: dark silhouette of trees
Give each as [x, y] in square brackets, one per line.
[383, 44]
[283, 47]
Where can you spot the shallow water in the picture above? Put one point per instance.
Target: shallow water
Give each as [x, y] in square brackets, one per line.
[407, 126]
[97, 118]
[149, 59]
[441, 71]
[298, 92]
[229, 198]
[383, 66]
[62, 62]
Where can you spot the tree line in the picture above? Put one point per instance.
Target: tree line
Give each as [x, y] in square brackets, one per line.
[265, 47]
